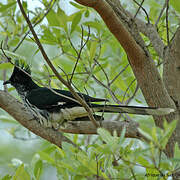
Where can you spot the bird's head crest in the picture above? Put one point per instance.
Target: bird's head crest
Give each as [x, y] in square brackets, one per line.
[21, 65]
[21, 73]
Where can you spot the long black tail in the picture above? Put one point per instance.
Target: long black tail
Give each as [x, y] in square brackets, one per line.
[132, 109]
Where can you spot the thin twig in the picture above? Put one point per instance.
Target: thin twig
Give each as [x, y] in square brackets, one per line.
[110, 83]
[167, 26]
[68, 74]
[49, 78]
[72, 45]
[140, 6]
[139, 9]
[160, 158]
[4, 71]
[132, 172]
[160, 14]
[107, 78]
[128, 88]
[65, 74]
[108, 88]
[102, 84]
[132, 97]
[80, 51]
[8, 58]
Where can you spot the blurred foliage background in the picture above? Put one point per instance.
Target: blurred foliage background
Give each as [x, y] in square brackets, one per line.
[102, 71]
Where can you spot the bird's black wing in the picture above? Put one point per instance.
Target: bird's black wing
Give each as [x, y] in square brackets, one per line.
[53, 100]
[44, 98]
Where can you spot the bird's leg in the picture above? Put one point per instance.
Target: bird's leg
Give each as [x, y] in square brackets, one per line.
[46, 120]
[40, 115]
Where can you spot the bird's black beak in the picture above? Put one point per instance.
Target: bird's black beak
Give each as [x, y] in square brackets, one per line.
[7, 82]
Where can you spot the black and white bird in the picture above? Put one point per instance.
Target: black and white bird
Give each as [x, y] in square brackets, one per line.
[57, 106]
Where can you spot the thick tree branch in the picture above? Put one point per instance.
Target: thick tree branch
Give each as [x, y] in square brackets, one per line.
[150, 31]
[85, 127]
[171, 76]
[171, 68]
[24, 117]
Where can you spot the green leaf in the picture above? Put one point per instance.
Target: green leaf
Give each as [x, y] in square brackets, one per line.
[168, 130]
[177, 151]
[62, 19]
[14, 41]
[48, 37]
[154, 135]
[122, 137]
[21, 174]
[68, 149]
[76, 5]
[75, 138]
[93, 48]
[145, 134]
[89, 164]
[46, 157]
[7, 177]
[14, 54]
[176, 5]
[7, 6]
[142, 161]
[113, 172]
[95, 25]
[38, 169]
[86, 13]
[67, 166]
[105, 135]
[52, 18]
[75, 21]
[152, 148]
[7, 119]
[6, 66]
[153, 173]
